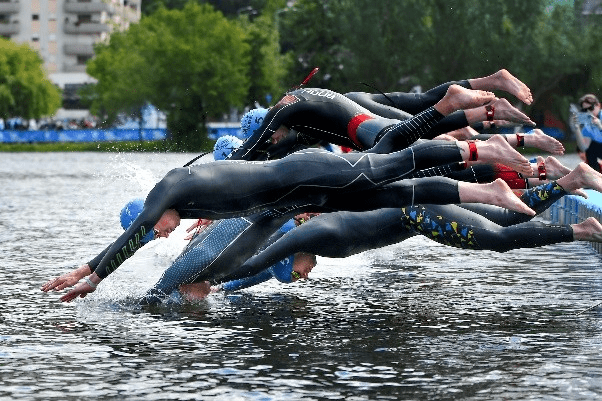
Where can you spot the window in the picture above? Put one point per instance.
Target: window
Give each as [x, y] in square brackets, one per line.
[82, 59]
[83, 18]
[35, 17]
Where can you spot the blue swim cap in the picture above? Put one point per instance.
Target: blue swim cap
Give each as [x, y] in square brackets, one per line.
[224, 146]
[283, 270]
[130, 212]
[251, 121]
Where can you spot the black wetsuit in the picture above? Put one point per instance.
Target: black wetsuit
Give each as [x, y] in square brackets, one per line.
[403, 105]
[306, 178]
[476, 227]
[323, 115]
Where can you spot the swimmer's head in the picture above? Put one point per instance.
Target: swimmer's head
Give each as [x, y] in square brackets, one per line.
[130, 212]
[283, 270]
[252, 120]
[224, 146]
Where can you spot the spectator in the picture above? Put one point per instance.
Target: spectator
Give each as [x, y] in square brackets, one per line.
[588, 131]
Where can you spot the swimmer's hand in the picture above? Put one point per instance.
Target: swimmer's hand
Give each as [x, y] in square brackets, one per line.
[67, 279]
[82, 289]
[200, 225]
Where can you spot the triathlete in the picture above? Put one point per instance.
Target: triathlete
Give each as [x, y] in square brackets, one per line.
[474, 227]
[323, 115]
[306, 179]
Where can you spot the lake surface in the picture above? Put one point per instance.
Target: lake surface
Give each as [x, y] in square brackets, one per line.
[412, 321]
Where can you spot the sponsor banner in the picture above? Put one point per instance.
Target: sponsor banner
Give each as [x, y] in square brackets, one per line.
[84, 135]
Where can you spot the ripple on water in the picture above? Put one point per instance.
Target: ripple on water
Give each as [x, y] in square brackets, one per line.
[410, 321]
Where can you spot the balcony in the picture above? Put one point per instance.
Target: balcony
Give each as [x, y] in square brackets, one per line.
[79, 49]
[88, 7]
[86, 27]
[74, 68]
[9, 7]
[9, 29]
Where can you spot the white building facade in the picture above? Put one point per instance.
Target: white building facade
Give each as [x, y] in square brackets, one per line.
[64, 32]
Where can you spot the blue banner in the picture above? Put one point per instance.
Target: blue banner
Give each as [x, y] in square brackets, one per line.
[84, 135]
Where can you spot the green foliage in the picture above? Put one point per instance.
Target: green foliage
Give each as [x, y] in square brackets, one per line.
[230, 8]
[396, 44]
[191, 63]
[268, 66]
[195, 64]
[25, 90]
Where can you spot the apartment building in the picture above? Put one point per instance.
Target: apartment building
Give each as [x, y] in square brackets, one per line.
[64, 31]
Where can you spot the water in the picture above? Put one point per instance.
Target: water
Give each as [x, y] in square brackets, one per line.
[412, 321]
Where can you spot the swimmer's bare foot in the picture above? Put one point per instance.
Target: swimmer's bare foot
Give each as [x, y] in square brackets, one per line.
[497, 150]
[583, 176]
[579, 192]
[538, 139]
[588, 230]
[196, 291]
[503, 80]
[505, 111]
[554, 169]
[495, 193]
[459, 98]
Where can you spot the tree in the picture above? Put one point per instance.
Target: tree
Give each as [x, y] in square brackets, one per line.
[230, 8]
[190, 63]
[25, 90]
[395, 45]
[268, 66]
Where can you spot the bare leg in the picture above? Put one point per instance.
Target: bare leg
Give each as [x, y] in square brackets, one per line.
[588, 230]
[459, 98]
[503, 80]
[503, 111]
[583, 176]
[461, 134]
[497, 150]
[495, 193]
[499, 123]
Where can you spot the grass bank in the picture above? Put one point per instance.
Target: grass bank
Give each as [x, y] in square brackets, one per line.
[118, 146]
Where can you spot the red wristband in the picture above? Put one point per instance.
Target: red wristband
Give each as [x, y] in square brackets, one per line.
[472, 148]
[520, 138]
[490, 112]
[541, 170]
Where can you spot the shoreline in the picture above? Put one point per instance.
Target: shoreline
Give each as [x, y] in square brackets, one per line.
[108, 146]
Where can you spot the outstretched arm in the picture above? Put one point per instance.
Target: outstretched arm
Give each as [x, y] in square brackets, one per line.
[82, 289]
[67, 279]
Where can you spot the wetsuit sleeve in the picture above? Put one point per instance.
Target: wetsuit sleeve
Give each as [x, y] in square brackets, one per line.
[94, 262]
[157, 201]
[125, 246]
[293, 142]
[253, 147]
[259, 278]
